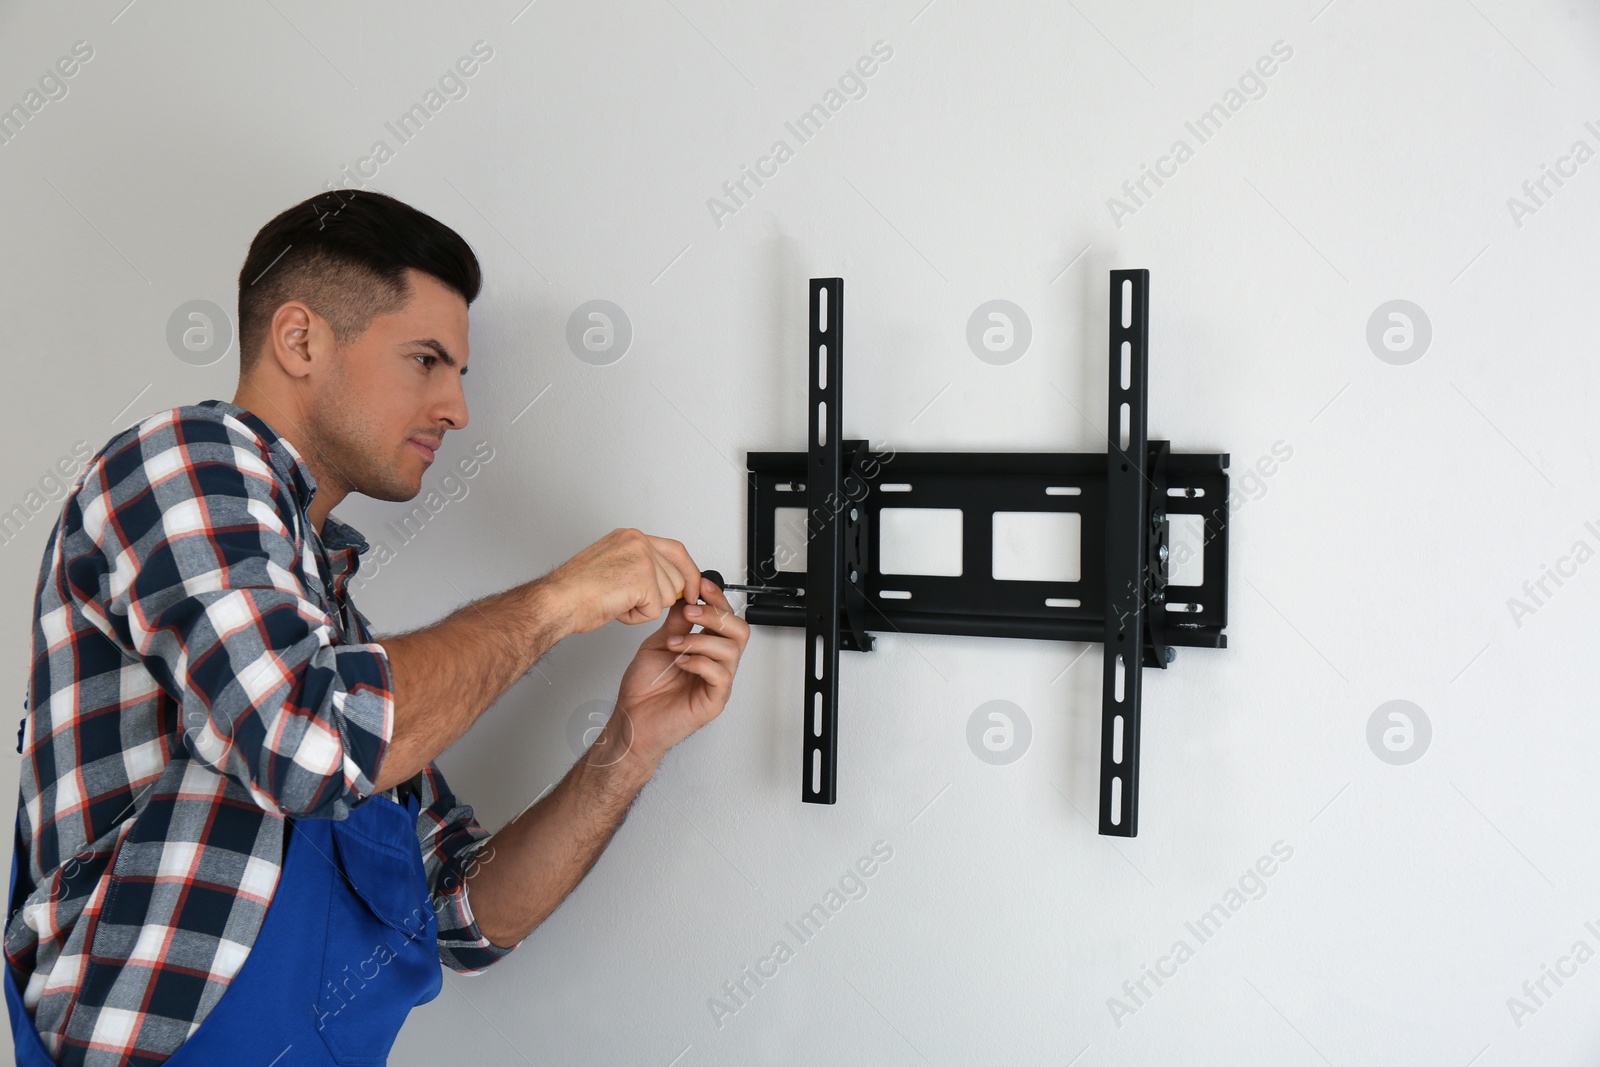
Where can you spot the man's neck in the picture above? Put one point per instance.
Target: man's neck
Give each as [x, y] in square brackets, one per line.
[275, 413]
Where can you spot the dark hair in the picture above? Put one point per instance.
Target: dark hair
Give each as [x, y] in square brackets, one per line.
[345, 253]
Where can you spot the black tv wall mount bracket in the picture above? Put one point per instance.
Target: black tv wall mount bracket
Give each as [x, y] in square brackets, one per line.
[1125, 498]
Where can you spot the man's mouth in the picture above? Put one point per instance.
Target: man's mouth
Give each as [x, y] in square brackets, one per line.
[425, 446]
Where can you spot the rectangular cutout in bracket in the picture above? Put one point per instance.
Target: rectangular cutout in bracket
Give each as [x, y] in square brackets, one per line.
[1038, 546]
[919, 541]
[789, 539]
[1186, 542]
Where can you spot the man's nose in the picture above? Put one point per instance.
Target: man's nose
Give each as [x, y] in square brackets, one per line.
[454, 410]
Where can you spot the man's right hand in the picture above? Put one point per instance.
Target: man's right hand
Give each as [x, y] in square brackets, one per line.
[627, 575]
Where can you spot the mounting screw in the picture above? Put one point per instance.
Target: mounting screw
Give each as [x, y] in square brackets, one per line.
[1157, 517]
[1172, 654]
[1164, 553]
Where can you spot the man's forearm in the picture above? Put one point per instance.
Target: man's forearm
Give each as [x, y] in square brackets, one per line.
[447, 674]
[532, 863]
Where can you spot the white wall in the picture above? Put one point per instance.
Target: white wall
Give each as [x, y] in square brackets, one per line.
[1374, 564]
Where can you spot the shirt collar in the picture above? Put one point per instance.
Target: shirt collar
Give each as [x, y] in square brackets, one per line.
[291, 466]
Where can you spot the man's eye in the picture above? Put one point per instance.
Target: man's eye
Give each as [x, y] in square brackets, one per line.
[429, 361]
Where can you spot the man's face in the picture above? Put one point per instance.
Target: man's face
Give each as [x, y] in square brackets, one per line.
[390, 395]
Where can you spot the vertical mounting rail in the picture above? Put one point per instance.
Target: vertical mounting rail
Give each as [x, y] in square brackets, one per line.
[825, 540]
[1127, 541]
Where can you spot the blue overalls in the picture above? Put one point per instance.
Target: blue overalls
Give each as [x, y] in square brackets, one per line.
[347, 949]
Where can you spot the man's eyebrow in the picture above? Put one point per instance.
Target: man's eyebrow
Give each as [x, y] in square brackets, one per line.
[438, 350]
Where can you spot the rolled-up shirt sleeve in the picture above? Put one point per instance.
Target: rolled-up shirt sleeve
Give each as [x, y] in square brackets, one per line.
[203, 588]
[453, 845]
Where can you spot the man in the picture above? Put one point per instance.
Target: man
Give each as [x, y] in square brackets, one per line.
[231, 835]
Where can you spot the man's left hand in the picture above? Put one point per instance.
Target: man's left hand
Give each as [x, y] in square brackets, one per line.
[679, 681]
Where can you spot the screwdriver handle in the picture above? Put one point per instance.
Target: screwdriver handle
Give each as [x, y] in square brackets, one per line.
[716, 578]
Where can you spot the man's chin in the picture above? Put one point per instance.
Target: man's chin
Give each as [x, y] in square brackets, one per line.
[396, 491]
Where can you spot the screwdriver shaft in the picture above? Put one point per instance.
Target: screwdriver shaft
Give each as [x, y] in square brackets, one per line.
[784, 589]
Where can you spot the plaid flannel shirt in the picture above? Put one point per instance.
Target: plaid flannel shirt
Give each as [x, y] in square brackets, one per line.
[199, 678]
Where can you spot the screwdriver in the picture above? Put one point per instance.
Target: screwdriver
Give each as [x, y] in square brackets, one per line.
[716, 577]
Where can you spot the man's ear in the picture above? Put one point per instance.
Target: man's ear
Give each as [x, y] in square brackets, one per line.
[299, 338]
